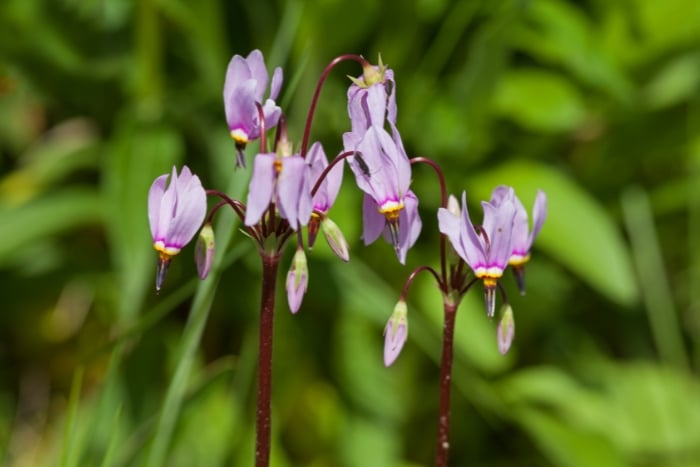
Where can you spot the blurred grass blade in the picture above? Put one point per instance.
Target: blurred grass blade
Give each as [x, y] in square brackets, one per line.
[656, 291]
[70, 452]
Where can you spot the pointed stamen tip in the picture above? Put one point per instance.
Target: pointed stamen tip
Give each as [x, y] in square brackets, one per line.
[240, 156]
[162, 270]
[490, 297]
[519, 273]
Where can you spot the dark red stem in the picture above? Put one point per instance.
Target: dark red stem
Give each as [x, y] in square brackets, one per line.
[443, 436]
[413, 275]
[270, 264]
[317, 93]
[328, 168]
[443, 203]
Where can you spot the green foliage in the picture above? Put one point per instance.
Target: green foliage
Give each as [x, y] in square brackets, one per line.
[594, 102]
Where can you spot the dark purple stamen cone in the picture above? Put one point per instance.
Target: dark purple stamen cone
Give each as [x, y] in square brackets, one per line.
[162, 270]
[519, 273]
[240, 155]
[313, 226]
[490, 299]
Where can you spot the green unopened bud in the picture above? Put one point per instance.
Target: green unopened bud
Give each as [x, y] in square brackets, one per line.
[506, 329]
[335, 239]
[371, 74]
[453, 206]
[204, 251]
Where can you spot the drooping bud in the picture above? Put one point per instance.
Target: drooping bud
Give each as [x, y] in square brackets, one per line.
[395, 332]
[204, 251]
[335, 239]
[297, 280]
[506, 329]
[453, 206]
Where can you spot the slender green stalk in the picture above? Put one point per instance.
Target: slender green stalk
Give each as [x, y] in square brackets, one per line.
[663, 318]
[71, 452]
[270, 265]
[189, 343]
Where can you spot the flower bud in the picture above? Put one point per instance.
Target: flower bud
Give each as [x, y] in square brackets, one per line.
[396, 332]
[506, 329]
[453, 206]
[335, 239]
[297, 280]
[204, 251]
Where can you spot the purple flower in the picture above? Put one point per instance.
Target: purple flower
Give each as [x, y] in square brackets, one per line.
[284, 181]
[523, 236]
[330, 186]
[297, 280]
[487, 251]
[372, 98]
[395, 333]
[383, 172]
[175, 214]
[245, 84]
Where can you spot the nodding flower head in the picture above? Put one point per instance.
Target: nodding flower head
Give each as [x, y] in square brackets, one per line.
[284, 181]
[523, 236]
[327, 192]
[245, 84]
[175, 214]
[382, 170]
[372, 98]
[487, 249]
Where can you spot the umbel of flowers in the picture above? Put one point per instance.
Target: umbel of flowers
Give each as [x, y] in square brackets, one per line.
[291, 189]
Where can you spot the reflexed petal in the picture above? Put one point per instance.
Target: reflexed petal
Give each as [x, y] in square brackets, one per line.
[241, 111]
[293, 192]
[471, 243]
[409, 225]
[498, 224]
[258, 72]
[276, 84]
[373, 222]
[168, 205]
[450, 226]
[155, 199]
[521, 231]
[236, 73]
[539, 214]
[272, 113]
[261, 187]
[190, 209]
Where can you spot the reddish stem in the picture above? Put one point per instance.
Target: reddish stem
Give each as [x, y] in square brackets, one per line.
[270, 264]
[443, 203]
[317, 93]
[443, 437]
[328, 168]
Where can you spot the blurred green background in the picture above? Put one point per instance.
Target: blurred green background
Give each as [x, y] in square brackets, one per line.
[596, 102]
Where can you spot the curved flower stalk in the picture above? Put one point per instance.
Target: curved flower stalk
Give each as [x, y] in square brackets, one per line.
[244, 87]
[175, 214]
[523, 237]
[487, 251]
